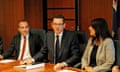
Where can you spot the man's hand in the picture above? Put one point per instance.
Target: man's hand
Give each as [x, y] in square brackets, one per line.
[27, 61]
[1, 57]
[59, 66]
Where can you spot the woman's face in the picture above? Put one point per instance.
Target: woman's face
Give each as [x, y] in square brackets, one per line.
[92, 31]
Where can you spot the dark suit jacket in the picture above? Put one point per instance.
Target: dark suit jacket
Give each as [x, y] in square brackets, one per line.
[69, 51]
[1, 46]
[34, 44]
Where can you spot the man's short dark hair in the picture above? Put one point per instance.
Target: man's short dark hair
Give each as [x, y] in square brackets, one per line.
[23, 20]
[59, 16]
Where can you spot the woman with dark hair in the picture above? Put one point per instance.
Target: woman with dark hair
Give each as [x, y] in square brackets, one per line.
[100, 53]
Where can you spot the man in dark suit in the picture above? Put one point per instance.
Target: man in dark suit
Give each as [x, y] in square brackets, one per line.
[25, 44]
[1, 45]
[68, 52]
[116, 19]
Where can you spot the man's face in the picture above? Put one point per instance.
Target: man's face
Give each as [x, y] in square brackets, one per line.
[23, 28]
[58, 25]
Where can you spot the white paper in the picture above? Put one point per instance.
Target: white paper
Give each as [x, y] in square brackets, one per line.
[7, 60]
[67, 71]
[21, 66]
[41, 65]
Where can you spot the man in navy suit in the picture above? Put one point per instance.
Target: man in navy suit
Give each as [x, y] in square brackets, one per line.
[32, 43]
[69, 51]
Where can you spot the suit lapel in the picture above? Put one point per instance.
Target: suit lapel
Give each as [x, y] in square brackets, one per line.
[31, 48]
[62, 44]
[89, 52]
[18, 43]
[99, 49]
[51, 41]
[18, 46]
[30, 44]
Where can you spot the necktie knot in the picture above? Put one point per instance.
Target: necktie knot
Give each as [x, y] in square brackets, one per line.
[24, 37]
[57, 36]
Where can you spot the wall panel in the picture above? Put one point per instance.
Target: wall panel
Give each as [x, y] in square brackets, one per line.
[61, 3]
[64, 7]
[13, 10]
[10, 12]
[33, 12]
[90, 9]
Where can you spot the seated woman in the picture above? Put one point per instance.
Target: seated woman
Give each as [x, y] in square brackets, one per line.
[116, 69]
[100, 52]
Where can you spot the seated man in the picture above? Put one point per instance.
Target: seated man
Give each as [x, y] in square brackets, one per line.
[62, 45]
[1, 46]
[25, 44]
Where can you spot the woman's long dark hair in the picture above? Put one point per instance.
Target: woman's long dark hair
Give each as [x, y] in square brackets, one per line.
[101, 27]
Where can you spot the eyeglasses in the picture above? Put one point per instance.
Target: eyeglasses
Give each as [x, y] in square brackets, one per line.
[59, 24]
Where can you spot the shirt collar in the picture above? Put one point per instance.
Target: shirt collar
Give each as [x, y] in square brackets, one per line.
[27, 36]
[60, 34]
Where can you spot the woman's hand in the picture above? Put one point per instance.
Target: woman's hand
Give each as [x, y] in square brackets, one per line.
[88, 69]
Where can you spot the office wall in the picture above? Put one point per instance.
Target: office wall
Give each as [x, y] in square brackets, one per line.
[33, 12]
[90, 9]
[64, 7]
[13, 10]
[10, 12]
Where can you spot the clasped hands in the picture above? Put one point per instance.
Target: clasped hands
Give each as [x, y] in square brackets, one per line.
[1, 57]
[27, 61]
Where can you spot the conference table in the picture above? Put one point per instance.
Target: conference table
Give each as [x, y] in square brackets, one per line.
[10, 67]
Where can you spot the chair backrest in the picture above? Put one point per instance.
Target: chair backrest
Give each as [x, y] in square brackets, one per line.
[83, 39]
[40, 32]
[117, 51]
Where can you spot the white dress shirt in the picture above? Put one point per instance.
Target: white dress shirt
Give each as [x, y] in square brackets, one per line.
[27, 48]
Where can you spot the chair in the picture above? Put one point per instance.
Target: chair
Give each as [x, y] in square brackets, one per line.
[82, 38]
[40, 32]
[117, 51]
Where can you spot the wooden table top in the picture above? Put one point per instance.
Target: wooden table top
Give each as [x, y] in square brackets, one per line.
[9, 67]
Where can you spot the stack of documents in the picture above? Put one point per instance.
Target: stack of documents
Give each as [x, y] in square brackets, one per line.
[7, 61]
[41, 65]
